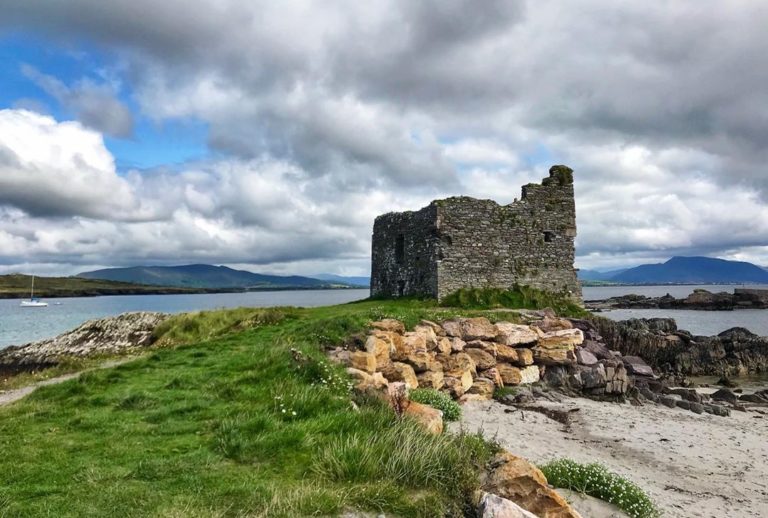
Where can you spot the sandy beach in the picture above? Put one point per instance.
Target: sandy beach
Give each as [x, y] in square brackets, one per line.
[691, 465]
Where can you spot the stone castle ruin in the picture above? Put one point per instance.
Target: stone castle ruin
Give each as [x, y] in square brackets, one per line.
[464, 242]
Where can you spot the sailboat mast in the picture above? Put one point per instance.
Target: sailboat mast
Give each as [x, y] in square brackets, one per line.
[32, 293]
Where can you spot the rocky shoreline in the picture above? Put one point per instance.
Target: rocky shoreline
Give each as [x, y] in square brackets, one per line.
[700, 299]
[672, 351]
[120, 334]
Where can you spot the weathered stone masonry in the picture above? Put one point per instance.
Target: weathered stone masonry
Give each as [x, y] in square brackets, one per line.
[464, 242]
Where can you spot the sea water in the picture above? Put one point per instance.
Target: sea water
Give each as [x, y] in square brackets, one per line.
[20, 325]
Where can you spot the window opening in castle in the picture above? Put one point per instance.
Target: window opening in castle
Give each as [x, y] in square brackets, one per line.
[400, 249]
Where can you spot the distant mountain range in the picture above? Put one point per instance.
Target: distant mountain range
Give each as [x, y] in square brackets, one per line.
[684, 270]
[209, 276]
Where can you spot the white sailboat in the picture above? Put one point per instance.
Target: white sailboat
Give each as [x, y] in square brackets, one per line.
[33, 302]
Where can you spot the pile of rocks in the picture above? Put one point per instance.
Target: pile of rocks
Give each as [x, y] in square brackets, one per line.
[469, 358]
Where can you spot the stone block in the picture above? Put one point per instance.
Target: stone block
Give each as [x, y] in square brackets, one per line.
[506, 353]
[363, 361]
[584, 357]
[524, 357]
[430, 337]
[530, 374]
[554, 356]
[482, 359]
[482, 387]
[550, 324]
[509, 375]
[389, 324]
[561, 339]
[430, 418]
[515, 334]
[635, 365]
[431, 379]
[397, 371]
[422, 361]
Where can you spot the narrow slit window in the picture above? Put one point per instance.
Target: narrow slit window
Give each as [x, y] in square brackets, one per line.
[549, 236]
[400, 249]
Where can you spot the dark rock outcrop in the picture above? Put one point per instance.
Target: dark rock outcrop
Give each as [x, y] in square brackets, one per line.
[741, 298]
[667, 349]
[111, 335]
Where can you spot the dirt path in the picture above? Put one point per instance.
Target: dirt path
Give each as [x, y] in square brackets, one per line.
[10, 396]
[691, 465]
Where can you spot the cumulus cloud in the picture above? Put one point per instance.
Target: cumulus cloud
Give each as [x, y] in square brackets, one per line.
[376, 106]
[95, 105]
[60, 169]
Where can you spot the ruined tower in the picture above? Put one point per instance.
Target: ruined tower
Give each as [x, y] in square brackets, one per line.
[464, 242]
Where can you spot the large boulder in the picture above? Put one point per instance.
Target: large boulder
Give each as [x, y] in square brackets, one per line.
[516, 479]
[600, 351]
[458, 364]
[515, 334]
[445, 345]
[420, 361]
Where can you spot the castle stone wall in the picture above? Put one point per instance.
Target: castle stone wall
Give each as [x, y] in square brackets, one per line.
[465, 242]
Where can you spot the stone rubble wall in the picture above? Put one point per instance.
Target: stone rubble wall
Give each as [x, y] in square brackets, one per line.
[463, 242]
[468, 358]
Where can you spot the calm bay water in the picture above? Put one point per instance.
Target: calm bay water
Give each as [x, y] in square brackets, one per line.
[697, 322]
[21, 325]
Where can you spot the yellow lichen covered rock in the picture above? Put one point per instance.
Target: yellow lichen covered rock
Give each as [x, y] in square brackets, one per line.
[516, 479]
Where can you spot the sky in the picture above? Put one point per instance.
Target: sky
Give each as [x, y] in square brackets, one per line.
[268, 135]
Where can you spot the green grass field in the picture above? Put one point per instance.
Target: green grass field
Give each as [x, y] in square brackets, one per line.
[223, 420]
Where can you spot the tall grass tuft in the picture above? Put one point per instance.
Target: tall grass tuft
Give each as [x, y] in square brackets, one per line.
[407, 456]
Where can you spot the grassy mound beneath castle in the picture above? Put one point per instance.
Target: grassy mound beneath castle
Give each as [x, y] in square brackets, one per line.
[239, 414]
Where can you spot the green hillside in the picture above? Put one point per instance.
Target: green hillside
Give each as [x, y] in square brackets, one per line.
[18, 286]
[207, 276]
